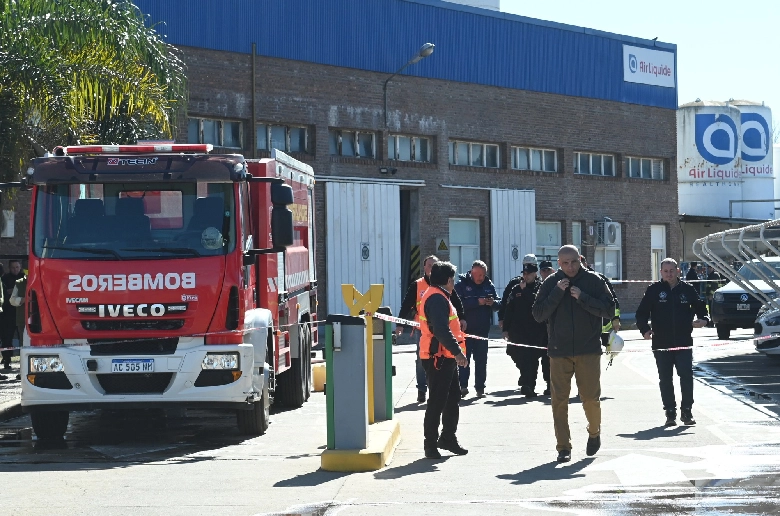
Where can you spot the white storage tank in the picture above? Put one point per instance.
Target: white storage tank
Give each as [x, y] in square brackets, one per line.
[776, 159]
[708, 158]
[758, 175]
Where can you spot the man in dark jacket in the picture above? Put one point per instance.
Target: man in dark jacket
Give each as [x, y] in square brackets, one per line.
[409, 309]
[529, 258]
[610, 323]
[480, 300]
[672, 304]
[520, 327]
[441, 364]
[8, 327]
[573, 301]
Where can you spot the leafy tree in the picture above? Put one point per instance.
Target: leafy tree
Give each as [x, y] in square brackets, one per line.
[82, 72]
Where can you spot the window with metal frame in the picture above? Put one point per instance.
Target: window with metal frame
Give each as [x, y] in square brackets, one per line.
[219, 133]
[527, 158]
[474, 154]
[645, 168]
[548, 238]
[357, 144]
[657, 249]
[594, 164]
[287, 138]
[409, 148]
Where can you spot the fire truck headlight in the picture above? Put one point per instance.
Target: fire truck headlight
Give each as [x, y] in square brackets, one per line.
[220, 361]
[46, 364]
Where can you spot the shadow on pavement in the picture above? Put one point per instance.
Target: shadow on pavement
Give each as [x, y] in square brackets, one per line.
[311, 479]
[656, 433]
[411, 407]
[549, 471]
[421, 465]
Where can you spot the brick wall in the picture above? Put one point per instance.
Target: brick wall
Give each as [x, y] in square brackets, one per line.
[323, 97]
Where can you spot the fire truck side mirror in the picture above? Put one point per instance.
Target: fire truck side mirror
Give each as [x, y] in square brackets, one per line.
[281, 217]
[281, 226]
[281, 194]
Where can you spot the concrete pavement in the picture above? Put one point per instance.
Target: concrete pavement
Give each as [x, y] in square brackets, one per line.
[727, 460]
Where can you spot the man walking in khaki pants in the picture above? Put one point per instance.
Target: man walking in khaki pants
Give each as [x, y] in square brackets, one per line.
[573, 302]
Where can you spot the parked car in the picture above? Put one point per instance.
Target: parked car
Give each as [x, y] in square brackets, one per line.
[767, 332]
[733, 307]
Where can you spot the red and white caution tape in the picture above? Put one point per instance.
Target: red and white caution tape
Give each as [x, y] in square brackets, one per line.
[415, 324]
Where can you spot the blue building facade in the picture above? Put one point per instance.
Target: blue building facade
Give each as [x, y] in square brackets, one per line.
[472, 45]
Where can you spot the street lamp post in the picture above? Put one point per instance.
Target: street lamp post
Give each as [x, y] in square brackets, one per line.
[424, 52]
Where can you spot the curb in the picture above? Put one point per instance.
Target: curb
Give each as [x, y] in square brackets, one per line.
[383, 438]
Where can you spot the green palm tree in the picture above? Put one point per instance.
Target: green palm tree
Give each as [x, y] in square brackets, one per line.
[80, 72]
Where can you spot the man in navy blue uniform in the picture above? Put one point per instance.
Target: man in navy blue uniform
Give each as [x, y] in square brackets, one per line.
[480, 300]
[672, 305]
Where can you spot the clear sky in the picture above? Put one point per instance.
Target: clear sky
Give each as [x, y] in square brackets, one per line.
[725, 49]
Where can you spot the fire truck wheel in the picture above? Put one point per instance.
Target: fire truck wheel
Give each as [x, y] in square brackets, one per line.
[255, 421]
[50, 425]
[291, 384]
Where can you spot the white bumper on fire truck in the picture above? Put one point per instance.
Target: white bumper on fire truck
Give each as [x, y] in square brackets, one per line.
[78, 379]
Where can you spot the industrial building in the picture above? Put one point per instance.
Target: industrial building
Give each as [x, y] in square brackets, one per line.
[508, 136]
[726, 174]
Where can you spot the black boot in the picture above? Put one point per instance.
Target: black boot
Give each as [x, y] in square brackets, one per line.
[527, 391]
[547, 390]
[686, 417]
[451, 444]
[671, 416]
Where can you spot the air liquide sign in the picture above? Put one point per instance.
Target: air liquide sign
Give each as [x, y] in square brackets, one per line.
[645, 66]
[724, 157]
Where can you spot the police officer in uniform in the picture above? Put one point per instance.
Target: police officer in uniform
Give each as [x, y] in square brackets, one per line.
[442, 351]
[520, 327]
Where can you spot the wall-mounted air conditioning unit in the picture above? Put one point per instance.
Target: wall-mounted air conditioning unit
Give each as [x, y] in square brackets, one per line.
[609, 234]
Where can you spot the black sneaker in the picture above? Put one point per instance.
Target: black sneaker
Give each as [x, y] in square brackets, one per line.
[564, 456]
[594, 443]
[671, 416]
[432, 453]
[451, 445]
[464, 392]
[420, 396]
[686, 417]
[480, 393]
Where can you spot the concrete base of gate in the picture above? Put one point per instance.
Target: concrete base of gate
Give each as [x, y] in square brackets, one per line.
[383, 437]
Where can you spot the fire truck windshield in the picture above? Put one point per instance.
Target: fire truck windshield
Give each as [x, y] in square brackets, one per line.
[131, 221]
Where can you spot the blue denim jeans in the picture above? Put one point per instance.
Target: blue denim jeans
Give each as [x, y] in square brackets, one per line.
[667, 362]
[476, 352]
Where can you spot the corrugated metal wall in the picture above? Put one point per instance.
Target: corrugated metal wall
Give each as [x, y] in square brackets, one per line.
[472, 45]
[359, 213]
[512, 224]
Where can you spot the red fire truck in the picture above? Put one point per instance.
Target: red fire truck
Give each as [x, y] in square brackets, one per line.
[165, 276]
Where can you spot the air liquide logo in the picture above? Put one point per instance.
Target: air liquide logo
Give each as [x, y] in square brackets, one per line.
[632, 66]
[755, 137]
[716, 138]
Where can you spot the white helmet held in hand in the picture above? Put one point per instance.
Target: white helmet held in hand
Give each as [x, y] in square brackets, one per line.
[615, 343]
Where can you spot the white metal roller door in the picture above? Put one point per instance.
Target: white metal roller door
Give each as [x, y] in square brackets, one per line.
[512, 233]
[363, 215]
